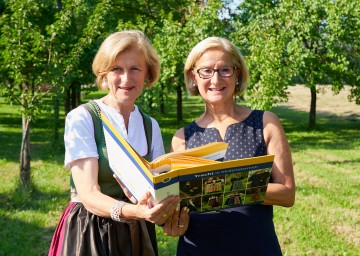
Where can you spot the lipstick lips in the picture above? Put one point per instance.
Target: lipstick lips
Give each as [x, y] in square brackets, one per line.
[217, 89]
[126, 88]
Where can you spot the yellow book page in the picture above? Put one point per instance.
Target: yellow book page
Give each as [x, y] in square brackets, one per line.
[188, 161]
[160, 167]
[204, 151]
[178, 162]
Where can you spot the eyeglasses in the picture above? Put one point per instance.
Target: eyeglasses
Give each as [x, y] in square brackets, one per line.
[207, 73]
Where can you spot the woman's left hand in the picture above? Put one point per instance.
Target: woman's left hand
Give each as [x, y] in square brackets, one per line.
[177, 223]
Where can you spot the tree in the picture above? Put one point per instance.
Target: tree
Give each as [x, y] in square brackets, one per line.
[309, 42]
[176, 37]
[34, 37]
[23, 57]
[161, 22]
[319, 51]
[261, 38]
[48, 47]
[175, 27]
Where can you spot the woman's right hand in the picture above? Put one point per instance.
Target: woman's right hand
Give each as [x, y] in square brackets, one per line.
[145, 209]
[160, 212]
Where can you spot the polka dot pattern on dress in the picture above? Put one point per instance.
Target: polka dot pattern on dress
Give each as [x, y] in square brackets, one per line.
[245, 138]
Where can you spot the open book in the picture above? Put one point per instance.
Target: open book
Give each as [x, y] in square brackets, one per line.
[207, 154]
[204, 183]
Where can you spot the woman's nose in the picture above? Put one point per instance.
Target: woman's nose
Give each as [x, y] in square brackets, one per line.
[124, 76]
[215, 78]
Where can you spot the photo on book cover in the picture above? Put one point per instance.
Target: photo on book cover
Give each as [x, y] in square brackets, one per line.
[224, 191]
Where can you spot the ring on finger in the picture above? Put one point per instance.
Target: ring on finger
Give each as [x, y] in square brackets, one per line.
[180, 226]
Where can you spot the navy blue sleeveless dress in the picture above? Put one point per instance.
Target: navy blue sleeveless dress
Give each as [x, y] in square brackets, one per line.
[244, 230]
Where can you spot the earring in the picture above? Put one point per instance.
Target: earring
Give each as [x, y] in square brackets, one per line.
[194, 85]
[104, 85]
[237, 83]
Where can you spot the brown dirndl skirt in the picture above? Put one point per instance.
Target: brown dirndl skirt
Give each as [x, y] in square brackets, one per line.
[80, 232]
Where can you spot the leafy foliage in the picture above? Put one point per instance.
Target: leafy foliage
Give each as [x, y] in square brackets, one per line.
[48, 46]
[289, 42]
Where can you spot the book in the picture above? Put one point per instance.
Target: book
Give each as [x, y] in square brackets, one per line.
[203, 182]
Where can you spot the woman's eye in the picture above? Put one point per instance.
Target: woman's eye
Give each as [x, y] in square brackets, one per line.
[115, 69]
[135, 69]
[225, 70]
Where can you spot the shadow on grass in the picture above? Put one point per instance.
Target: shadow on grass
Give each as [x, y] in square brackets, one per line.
[23, 235]
[329, 133]
[10, 121]
[40, 147]
[33, 199]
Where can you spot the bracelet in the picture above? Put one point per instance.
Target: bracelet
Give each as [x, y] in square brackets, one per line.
[116, 211]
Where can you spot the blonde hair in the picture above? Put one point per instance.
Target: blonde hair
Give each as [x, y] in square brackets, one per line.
[119, 42]
[216, 43]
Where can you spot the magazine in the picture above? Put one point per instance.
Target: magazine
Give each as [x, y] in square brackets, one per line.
[197, 175]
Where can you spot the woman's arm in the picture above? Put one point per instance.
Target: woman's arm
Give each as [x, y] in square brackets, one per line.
[85, 173]
[282, 189]
[178, 141]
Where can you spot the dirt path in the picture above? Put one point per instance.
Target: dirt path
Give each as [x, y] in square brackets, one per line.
[328, 104]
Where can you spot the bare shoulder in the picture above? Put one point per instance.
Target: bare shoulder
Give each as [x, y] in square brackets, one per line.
[272, 127]
[178, 140]
[270, 117]
[271, 121]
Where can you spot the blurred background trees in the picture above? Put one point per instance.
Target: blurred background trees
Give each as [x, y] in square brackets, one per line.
[47, 49]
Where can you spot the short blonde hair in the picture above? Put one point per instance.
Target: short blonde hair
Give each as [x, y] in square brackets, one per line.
[119, 42]
[216, 43]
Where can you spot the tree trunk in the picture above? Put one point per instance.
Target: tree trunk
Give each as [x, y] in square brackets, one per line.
[25, 153]
[75, 95]
[78, 95]
[179, 103]
[56, 124]
[312, 118]
[59, 5]
[67, 101]
[162, 101]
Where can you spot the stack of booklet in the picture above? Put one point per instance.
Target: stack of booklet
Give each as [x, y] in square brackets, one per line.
[204, 183]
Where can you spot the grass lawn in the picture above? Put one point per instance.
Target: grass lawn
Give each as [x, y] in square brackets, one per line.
[325, 219]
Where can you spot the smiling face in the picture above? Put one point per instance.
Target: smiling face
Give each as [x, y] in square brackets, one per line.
[127, 76]
[216, 89]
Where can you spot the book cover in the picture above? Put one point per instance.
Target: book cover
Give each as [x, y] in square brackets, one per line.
[203, 183]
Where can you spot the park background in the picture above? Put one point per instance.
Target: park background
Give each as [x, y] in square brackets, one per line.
[304, 65]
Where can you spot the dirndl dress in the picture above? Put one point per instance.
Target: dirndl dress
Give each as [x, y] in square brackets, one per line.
[80, 232]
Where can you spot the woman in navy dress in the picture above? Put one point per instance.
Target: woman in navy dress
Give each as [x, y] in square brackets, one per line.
[216, 70]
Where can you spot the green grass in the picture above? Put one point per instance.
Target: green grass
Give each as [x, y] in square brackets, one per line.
[325, 219]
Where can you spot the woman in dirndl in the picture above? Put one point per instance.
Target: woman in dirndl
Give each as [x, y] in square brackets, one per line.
[100, 219]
